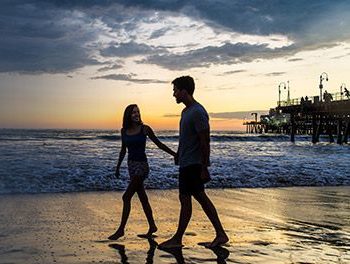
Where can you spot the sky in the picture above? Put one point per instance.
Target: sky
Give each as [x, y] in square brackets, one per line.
[79, 63]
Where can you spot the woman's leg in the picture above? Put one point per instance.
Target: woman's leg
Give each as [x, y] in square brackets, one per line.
[129, 193]
[147, 209]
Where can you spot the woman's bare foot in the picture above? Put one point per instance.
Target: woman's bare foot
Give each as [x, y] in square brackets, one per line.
[152, 229]
[218, 241]
[116, 235]
[171, 243]
[150, 233]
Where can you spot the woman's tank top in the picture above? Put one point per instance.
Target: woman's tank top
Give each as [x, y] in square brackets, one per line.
[136, 145]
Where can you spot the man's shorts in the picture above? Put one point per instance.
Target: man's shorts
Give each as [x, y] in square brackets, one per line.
[190, 181]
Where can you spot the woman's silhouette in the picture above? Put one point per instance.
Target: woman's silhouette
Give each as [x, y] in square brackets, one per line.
[134, 134]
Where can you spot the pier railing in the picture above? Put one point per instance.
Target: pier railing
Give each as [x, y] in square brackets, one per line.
[297, 101]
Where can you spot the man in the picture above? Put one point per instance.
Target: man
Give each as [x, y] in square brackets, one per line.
[193, 158]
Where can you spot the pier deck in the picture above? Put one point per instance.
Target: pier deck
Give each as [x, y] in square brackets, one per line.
[307, 117]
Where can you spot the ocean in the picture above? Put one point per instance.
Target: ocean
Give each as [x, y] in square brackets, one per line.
[50, 161]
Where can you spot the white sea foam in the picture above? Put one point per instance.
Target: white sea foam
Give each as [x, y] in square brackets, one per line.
[34, 161]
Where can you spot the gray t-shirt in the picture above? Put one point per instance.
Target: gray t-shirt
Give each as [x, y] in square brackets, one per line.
[194, 119]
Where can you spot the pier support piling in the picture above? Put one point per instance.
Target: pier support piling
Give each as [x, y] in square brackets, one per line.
[339, 129]
[346, 132]
[293, 129]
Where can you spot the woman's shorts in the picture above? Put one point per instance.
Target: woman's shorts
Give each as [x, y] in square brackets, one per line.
[138, 168]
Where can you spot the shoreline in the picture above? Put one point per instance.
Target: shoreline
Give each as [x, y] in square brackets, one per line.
[175, 189]
[265, 225]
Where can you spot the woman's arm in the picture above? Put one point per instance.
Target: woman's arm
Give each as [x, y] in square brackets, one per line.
[121, 157]
[149, 132]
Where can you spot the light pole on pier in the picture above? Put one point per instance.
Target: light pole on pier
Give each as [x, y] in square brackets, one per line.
[279, 92]
[323, 77]
[343, 85]
[288, 94]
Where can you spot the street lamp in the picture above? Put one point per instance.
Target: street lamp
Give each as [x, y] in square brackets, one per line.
[288, 95]
[279, 92]
[255, 116]
[343, 85]
[323, 77]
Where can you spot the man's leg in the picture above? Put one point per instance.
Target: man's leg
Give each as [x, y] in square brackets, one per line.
[185, 216]
[210, 211]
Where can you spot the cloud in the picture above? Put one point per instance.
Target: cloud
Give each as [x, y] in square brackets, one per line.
[128, 78]
[238, 115]
[110, 67]
[295, 59]
[229, 115]
[205, 57]
[231, 72]
[171, 115]
[37, 39]
[275, 73]
[129, 49]
[55, 36]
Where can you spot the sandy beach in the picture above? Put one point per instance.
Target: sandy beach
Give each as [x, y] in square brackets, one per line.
[276, 225]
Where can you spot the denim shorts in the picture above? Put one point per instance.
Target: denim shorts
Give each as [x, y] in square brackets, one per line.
[138, 168]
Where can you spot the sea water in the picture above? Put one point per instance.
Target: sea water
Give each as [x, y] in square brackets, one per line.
[37, 161]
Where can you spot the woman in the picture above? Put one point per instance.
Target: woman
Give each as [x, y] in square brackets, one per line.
[134, 134]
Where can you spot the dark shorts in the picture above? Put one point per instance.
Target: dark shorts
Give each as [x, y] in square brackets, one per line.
[190, 181]
[138, 169]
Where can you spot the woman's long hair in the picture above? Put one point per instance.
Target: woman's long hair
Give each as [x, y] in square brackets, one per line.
[127, 116]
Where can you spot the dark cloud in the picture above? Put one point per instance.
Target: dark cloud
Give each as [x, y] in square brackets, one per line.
[159, 33]
[232, 72]
[225, 54]
[110, 67]
[275, 73]
[129, 49]
[36, 38]
[128, 78]
[295, 59]
[64, 35]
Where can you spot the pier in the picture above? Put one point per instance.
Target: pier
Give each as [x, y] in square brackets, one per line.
[304, 116]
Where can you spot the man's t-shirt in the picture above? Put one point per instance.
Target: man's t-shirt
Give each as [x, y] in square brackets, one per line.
[194, 119]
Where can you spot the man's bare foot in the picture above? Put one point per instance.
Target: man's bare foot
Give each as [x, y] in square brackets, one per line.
[218, 241]
[171, 243]
[116, 235]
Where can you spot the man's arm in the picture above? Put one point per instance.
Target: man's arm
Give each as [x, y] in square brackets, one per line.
[204, 141]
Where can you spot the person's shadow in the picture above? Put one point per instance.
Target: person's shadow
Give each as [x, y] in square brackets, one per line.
[221, 253]
[176, 252]
[123, 257]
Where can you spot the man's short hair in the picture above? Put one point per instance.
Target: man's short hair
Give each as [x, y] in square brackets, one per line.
[184, 83]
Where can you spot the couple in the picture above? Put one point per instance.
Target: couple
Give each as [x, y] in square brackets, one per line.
[192, 156]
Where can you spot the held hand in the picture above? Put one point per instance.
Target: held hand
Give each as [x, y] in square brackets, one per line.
[117, 173]
[176, 159]
[205, 176]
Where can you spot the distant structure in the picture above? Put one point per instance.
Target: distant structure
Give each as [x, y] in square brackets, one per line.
[304, 116]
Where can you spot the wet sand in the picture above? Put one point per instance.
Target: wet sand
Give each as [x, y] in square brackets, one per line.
[277, 225]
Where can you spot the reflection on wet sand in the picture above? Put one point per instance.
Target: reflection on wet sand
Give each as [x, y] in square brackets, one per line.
[276, 225]
[176, 253]
[122, 252]
[221, 254]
